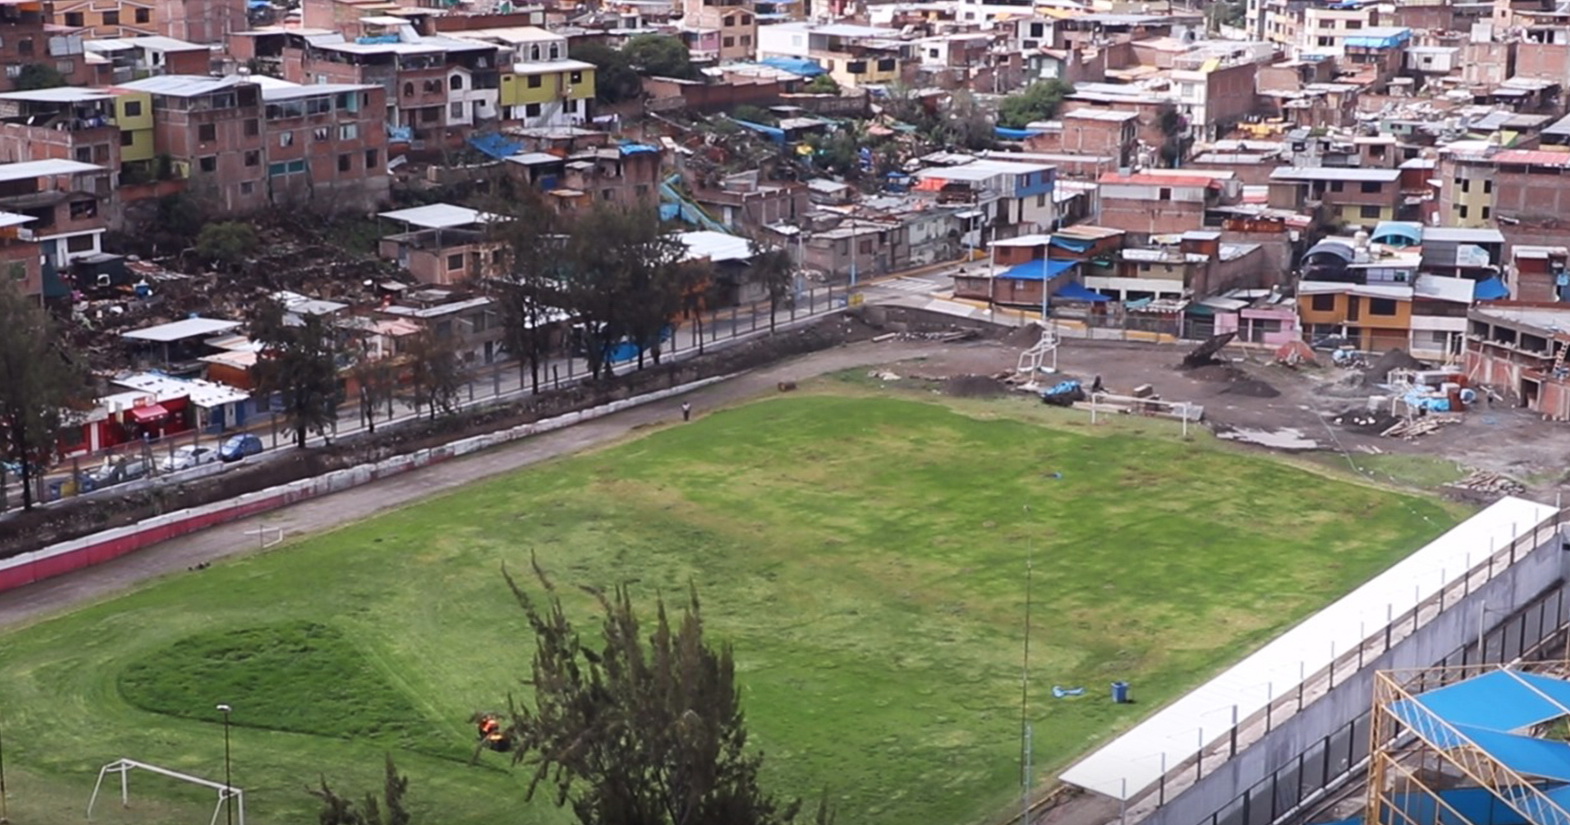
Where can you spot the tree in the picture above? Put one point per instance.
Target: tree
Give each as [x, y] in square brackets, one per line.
[660, 55]
[637, 730]
[528, 288]
[299, 364]
[773, 267]
[34, 76]
[1174, 129]
[227, 243]
[377, 383]
[625, 282]
[40, 383]
[823, 84]
[435, 372]
[615, 79]
[390, 810]
[1039, 101]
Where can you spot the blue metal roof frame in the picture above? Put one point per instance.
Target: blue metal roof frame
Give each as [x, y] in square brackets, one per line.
[1040, 270]
[1400, 233]
[1501, 701]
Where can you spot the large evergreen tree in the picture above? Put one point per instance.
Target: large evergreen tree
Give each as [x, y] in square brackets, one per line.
[299, 364]
[528, 287]
[39, 384]
[635, 729]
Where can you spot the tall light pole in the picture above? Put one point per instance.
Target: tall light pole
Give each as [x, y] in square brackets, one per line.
[4, 813]
[228, 783]
[1024, 689]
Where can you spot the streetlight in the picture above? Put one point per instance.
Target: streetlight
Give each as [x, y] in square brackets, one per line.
[4, 814]
[228, 784]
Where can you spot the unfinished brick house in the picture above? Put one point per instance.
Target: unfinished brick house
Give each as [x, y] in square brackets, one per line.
[27, 37]
[326, 143]
[211, 130]
[67, 202]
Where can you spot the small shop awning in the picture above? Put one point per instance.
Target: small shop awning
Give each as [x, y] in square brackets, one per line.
[149, 413]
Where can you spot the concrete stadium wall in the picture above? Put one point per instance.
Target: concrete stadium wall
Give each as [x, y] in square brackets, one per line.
[67, 557]
[1532, 575]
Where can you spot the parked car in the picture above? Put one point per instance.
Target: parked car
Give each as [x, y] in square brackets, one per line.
[187, 457]
[116, 470]
[239, 446]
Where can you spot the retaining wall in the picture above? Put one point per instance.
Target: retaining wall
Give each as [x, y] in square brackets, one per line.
[69, 556]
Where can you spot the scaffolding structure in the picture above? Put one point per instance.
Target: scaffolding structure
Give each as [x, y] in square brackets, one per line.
[1456, 746]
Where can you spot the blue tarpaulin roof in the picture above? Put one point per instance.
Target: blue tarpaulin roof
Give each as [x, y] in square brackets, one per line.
[773, 133]
[1016, 134]
[1072, 244]
[1039, 270]
[630, 148]
[1491, 289]
[1503, 700]
[1072, 291]
[495, 145]
[795, 65]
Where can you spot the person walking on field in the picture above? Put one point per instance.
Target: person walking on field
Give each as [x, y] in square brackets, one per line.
[686, 411]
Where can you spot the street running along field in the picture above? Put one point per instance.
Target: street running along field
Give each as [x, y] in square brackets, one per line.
[864, 550]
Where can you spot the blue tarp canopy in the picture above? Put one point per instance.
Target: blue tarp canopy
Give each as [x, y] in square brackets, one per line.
[795, 65]
[1039, 270]
[495, 145]
[1073, 291]
[1503, 700]
[630, 148]
[773, 133]
[1491, 289]
[1016, 134]
[1072, 244]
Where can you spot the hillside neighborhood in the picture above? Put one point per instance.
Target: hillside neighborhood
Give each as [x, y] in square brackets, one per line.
[1352, 177]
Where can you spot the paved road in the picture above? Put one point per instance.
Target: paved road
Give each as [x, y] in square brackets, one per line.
[64, 593]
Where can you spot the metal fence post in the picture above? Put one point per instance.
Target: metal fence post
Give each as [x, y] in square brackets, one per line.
[1232, 747]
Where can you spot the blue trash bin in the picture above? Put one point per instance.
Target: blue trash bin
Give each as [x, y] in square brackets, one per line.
[1120, 693]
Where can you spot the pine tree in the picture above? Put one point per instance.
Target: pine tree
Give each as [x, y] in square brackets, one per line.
[40, 383]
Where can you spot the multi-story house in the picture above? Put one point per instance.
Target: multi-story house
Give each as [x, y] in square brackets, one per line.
[1518, 349]
[1359, 197]
[1005, 199]
[540, 85]
[853, 55]
[722, 30]
[67, 201]
[442, 244]
[211, 131]
[123, 60]
[28, 35]
[20, 262]
[1375, 298]
[1478, 188]
[200, 21]
[1164, 201]
[326, 143]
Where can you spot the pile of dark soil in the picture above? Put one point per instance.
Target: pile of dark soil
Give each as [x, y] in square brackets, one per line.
[1396, 359]
[1238, 382]
[1214, 372]
[1251, 387]
[974, 386]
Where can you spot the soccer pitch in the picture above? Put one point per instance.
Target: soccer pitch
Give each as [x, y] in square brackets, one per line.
[864, 552]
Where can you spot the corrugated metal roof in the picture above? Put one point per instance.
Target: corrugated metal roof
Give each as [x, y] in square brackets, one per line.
[180, 330]
[45, 168]
[1531, 157]
[716, 246]
[181, 85]
[1157, 180]
[438, 216]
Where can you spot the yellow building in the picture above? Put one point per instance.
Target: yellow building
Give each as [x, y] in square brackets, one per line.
[543, 87]
[133, 113]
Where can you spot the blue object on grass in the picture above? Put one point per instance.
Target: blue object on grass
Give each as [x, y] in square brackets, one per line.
[1120, 692]
[1060, 692]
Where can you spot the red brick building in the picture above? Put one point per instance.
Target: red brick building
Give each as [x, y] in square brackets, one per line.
[1163, 202]
[326, 143]
[211, 130]
[28, 36]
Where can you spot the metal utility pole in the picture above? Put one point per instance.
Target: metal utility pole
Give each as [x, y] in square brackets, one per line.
[1024, 693]
[5, 814]
[228, 782]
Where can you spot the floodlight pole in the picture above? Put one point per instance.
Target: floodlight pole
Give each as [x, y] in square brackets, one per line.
[1024, 698]
[228, 782]
[4, 813]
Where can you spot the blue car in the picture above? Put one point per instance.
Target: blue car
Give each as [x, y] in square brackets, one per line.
[239, 446]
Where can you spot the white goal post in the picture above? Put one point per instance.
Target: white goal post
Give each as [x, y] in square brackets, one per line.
[125, 766]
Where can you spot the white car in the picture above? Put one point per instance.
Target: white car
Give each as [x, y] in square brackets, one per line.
[188, 457]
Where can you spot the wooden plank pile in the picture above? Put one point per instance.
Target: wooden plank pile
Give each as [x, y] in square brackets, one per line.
[1410, 429]
[1483, 481]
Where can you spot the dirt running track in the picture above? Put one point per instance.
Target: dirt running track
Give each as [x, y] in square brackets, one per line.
[33, 602]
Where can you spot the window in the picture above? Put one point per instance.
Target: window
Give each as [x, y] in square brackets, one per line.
[1041, 201]
[253, 127]
[575, 77]
[455, 83]
[370, 158]
[457, 110]
[932, 52]
[1336, 186]
[408, 90]
[144, 15]
[253, 158]
[1370, 212]
[1164, 194]
[430, 114]
[607, 194]
[746, 40]
[84, 154]
[1487, 212]
[321, 133]
[349, 131]
[432, 86]
[286, 138]
[79, 243]
[345, 162]
[74, 19]
[112, 18]
[1323, 302]
[534, 81]
[1381, 306]
[1371, 187]
[247, 187]
[729, 21]
[886, 64]
[1461, 211]
[293, 167]
[133, 108]
[207, 132]
[555, 51]
[127, 138]
[728, 42]
[531, 110]
[455, 262]
[208, 164]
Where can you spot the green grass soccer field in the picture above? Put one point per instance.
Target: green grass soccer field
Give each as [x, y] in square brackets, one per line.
[864, 552]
